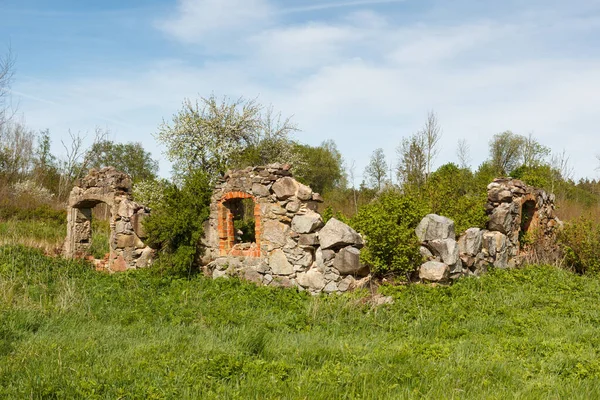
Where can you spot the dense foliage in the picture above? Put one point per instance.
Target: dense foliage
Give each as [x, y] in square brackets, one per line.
[457, 194]
[388, 225]
[130, 158]
[175, 227]
[581, 243]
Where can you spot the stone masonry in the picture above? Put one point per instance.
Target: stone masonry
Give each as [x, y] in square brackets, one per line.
[521, 220]
[292, 246]
[127, 249]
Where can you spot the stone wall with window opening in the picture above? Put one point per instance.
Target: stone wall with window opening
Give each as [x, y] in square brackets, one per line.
[522, 227]
[292, 246]
[126, 247]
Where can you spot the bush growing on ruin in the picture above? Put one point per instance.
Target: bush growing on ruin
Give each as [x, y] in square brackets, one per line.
[175, 227]
[388, 225]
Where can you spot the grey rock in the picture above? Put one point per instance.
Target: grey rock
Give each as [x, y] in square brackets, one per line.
[307, 223]
[275, 232]
[304, 192]
[252, 276]
[337, 234]
[434, 227]
[279, 263]
[494, 243]
[324, 258]
[285, 188]
[502, 218]
[311, 279]
[293, 206]
[219, 274]
[308, 240]
[446, 249]
[347, 262]
[470, 243]
[434, 271]
[500, 196]
[306, 259]
[260, 190]
[145, 258]
[331, 287]
[346, 283]
[282, 281]
[425, 252]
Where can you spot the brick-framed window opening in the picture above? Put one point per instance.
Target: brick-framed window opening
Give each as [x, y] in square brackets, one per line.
[226, 227]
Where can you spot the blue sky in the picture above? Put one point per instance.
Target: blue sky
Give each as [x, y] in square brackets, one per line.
[363, 73]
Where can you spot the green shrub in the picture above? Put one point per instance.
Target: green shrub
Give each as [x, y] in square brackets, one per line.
[175, 227]
[457, 194]
[580, 240]
[388, 225]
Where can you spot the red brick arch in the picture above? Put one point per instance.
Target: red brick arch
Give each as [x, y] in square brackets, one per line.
[227, 230]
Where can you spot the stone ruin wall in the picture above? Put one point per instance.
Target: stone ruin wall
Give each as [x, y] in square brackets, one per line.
[292, 247]
[127, 249]
[514, 209]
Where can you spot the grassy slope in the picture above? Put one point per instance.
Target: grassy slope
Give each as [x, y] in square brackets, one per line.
[66, 332]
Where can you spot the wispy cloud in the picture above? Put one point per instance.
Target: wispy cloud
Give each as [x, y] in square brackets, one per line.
[341, 4]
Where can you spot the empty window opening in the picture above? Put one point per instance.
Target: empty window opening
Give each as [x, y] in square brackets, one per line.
[527, 214]
[239, 225]
[244, 222]
[100, 235]
[92, 220]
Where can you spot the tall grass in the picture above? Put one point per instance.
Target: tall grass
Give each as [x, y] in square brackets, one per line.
[45, 234]
[69, 332]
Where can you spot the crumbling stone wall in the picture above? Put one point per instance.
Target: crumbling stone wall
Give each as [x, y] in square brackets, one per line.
[521, 221]
[292, 246]
[127, 249]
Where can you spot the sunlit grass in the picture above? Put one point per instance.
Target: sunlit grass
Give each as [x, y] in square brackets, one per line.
[69, 332]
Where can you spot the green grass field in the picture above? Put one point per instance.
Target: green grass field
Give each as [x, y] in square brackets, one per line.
[69, 332]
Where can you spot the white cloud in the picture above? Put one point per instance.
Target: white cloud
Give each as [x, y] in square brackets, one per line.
[196, 21]
[362, 80]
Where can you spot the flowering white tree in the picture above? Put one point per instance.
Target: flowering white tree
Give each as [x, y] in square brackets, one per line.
[212, 134]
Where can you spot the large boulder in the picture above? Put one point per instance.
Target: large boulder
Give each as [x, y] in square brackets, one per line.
[435, 227]
[494, 243]
[312, 279]
[347, 262]
[434, 271]
[275, 232]
[285, 188]
[446, 249]
[502, 218]
[279, 263]
[304, 193]
[470, 243]
[307, 223]
[337, 234]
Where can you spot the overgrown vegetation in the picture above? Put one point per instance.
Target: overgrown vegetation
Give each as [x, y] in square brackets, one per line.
[388, 225]
[175, 226]
[69, 332]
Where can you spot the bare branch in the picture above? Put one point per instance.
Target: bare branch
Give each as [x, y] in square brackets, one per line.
[463, 152]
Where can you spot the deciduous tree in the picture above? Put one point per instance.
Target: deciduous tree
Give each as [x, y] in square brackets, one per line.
[376, 170]
[130, 158]
[212, 134]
